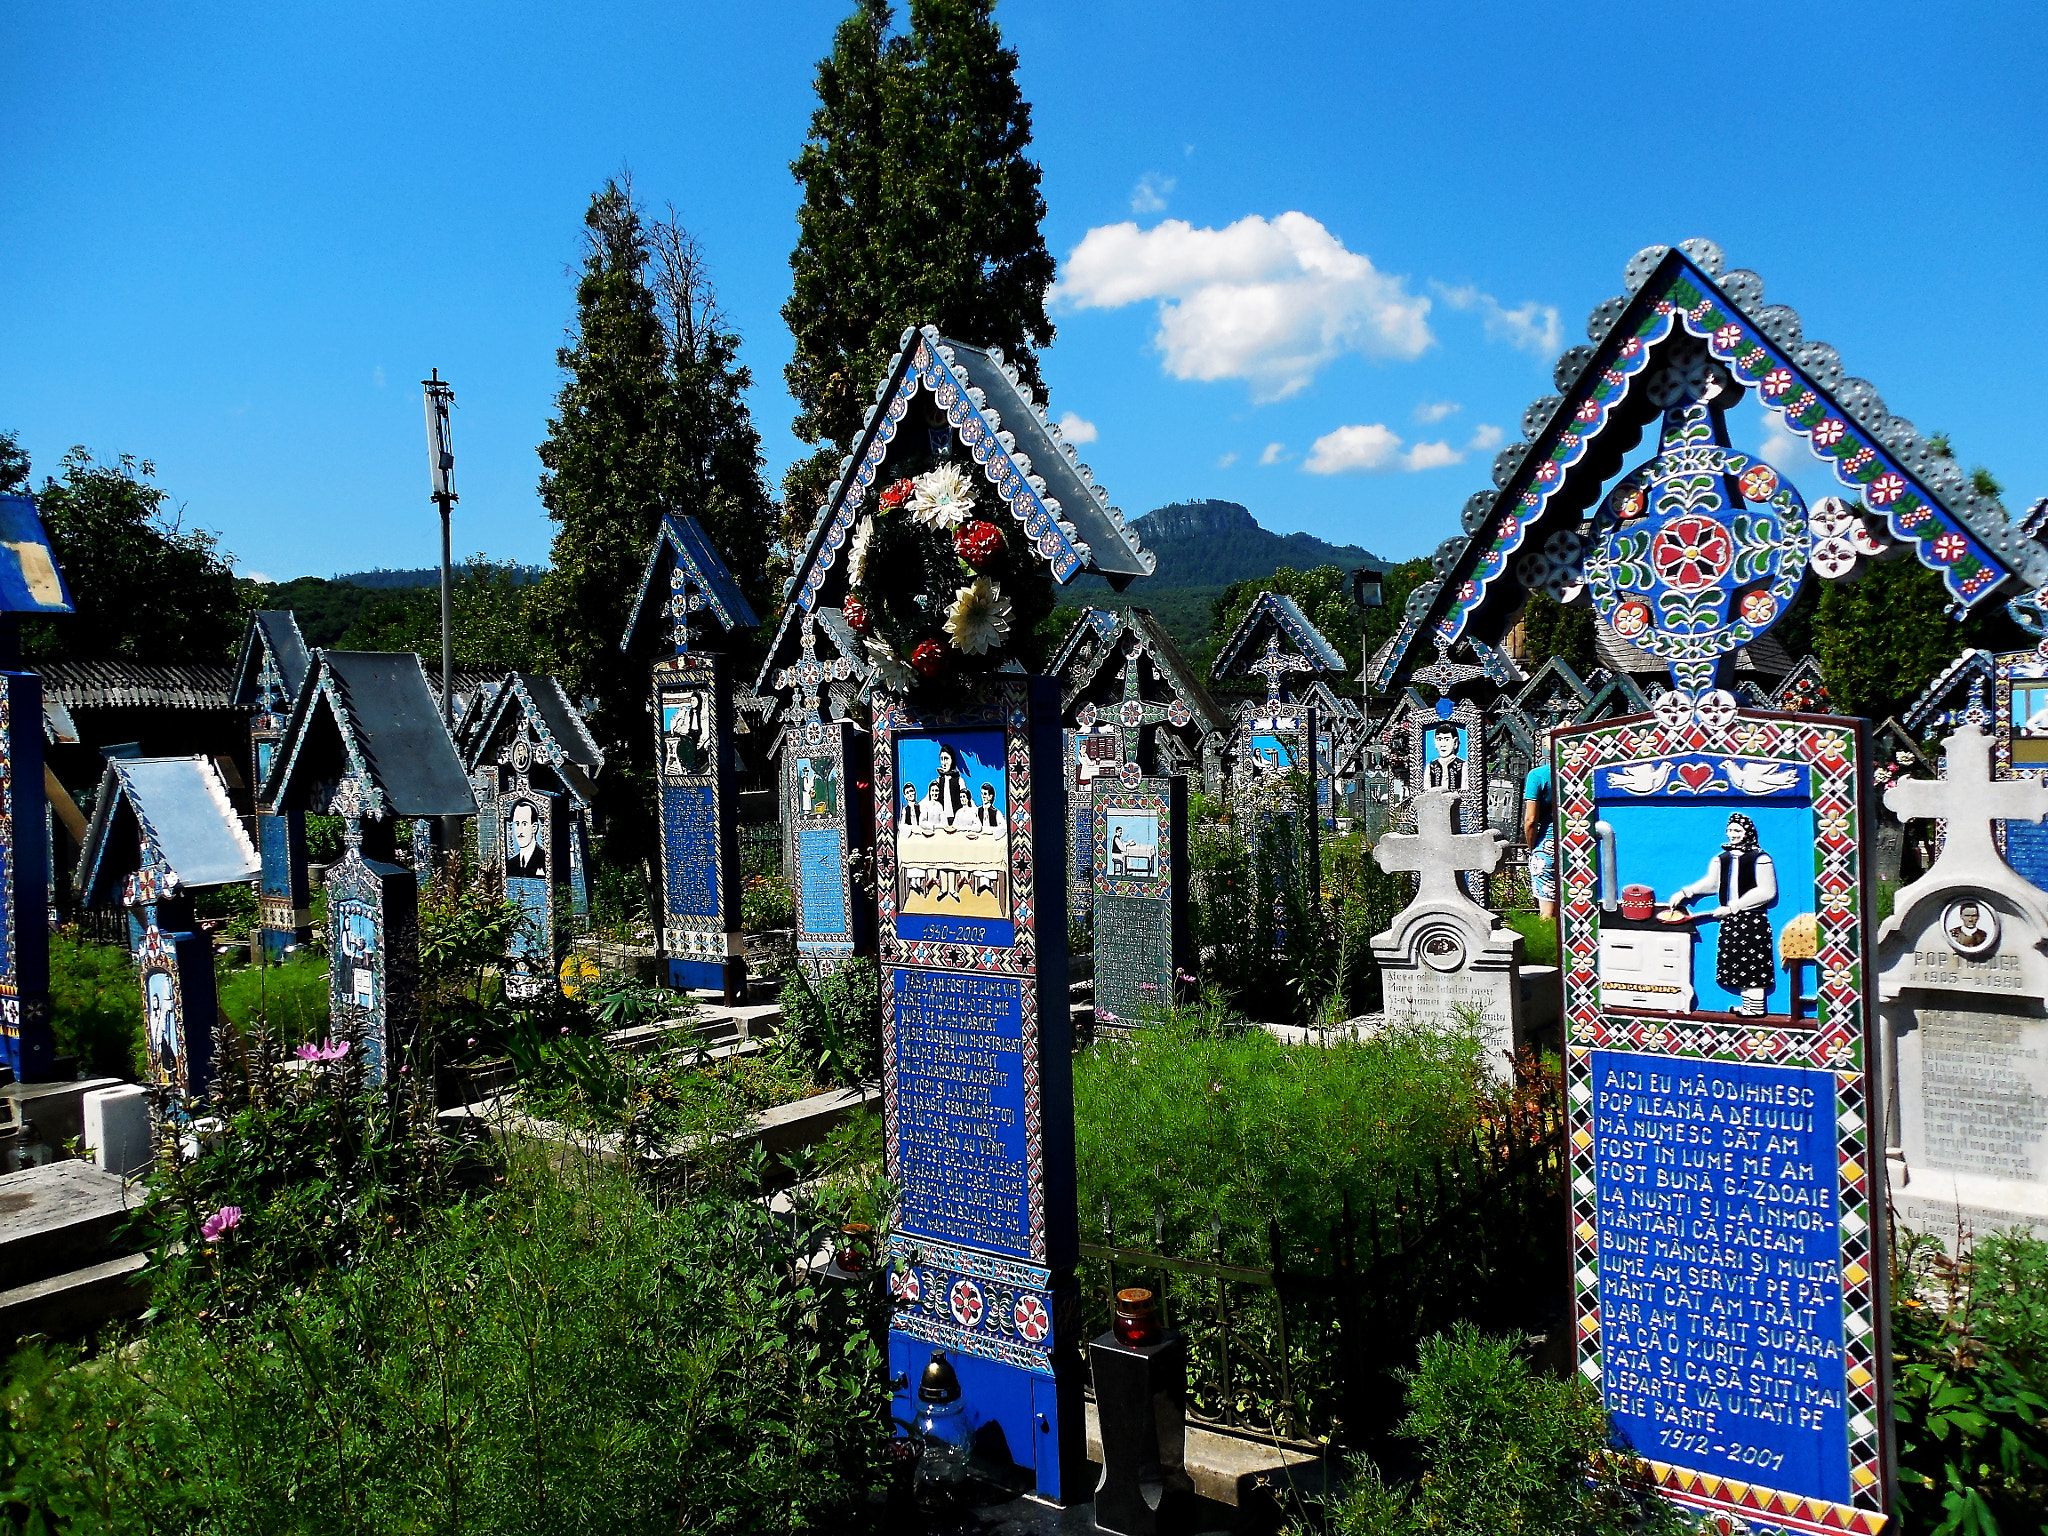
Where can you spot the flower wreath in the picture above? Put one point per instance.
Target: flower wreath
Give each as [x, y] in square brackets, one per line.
[937, 592]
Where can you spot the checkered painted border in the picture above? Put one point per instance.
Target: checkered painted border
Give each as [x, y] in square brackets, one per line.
[1112, 796]
[2028, 667]
[1832, 747]
[795, 822]
[1006, 706]
[688, 936]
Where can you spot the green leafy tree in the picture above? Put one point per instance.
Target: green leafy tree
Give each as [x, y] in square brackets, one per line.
[14, 465]
[651, 420]
[1324, 594]
[1882, 638]
[145, 587]
[919, 207]
[1395, 587]
[489, 605]
[1549, 628]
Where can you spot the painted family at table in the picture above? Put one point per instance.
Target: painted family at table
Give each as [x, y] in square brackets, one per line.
[952, 826]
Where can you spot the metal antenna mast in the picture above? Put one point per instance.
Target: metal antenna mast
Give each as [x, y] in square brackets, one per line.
[441, 472]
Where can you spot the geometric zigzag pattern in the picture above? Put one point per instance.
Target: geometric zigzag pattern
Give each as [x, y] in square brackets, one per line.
[1831, 747]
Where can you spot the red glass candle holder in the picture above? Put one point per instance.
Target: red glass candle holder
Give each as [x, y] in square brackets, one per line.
[1137, 1316]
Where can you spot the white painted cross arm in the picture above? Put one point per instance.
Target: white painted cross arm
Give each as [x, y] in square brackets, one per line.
[1435, 852]
[1969, 800]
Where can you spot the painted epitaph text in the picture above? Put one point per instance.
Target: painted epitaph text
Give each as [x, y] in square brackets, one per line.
[960, 1108]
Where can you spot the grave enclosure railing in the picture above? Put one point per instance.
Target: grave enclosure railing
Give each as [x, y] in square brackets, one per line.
[1305, 1347]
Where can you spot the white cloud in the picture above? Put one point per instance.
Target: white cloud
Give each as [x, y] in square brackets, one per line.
[1274, 454]
[248, 575]
[1436, 410]
[1227, 460]
[377, 374]
[1269, 301]
[1782, 449]
[1151, 192]
[1076, 429]
[1373, 448]
[1531, 327]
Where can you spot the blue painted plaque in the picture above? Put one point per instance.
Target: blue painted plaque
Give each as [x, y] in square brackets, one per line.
[961, 1153]
[1720, 1267]
[689, 816]
[821, 855]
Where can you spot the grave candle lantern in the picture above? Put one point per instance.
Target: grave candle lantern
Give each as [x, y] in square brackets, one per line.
[1137, 1316]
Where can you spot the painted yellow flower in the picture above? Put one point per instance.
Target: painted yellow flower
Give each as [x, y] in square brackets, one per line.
[980, 620]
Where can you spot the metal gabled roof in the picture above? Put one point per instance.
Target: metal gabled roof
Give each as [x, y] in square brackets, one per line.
[111, 683]
[1276, 612]
[538, 698]
[180, 808]
[1540, 686]
[1094, 625]
[371, 715]
[994, 415]
[682, 545]
[273, 640]
[1964, 683]
[1618, 695]
[1574, 442]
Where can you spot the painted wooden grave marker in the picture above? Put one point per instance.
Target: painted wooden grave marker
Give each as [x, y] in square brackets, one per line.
[366, 743]
[827, 789]
[29, 583]
[268, 677]
[695, 790]
[162, 829]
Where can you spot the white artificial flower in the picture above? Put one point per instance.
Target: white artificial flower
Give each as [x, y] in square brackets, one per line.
[980, 620]
[892, 673]
[944, 498]
[857, 552]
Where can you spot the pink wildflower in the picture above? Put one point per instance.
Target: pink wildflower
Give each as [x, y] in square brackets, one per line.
[220, 1223]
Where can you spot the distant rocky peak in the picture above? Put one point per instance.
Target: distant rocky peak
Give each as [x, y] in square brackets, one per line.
[1194, 520]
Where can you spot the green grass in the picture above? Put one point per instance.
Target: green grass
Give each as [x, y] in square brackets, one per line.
[1201, 1124]
[1539, 937]
[293, 994]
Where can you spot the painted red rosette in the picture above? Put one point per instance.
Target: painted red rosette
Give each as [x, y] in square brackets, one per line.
[978, 542]
[929, 659]
[856, 613]
[894, 495]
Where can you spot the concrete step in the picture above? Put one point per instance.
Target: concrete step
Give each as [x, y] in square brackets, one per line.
[71, 1305]
[1231, 1467]
[59, 1217]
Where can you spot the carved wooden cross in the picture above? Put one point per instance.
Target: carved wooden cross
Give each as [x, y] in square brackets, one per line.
[1445, 674]
[1969, 800]
[1137, 716]
[1273, 666]
[1436, 853]
[684, 600]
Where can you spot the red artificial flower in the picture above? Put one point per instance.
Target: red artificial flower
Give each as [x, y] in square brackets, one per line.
[929, 659]
[978, 543]
[856, 613]
[894, 496]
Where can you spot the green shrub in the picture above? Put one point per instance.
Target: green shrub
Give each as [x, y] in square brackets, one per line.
[234, 906]
[832, 1029]
[96, 1006]
[1202, 1123]
[1539, 937]
[290, 995]
[1970, 1340]
[547, 1359]
[766, 904]
[1505, 1452]
[323, 839]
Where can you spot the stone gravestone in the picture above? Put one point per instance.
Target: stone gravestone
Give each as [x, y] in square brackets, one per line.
[694, 773]
[826, 807]
[163, 829]
[272, 670]
[366, 743]
[1445, 955]
[1963, 988]
[29, 583]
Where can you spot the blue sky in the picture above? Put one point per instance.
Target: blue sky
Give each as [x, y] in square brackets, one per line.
[237, 236]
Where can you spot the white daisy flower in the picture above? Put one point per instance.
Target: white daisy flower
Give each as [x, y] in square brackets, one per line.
[944, 498]
[857, 552]
[891, 672]
[980, 620]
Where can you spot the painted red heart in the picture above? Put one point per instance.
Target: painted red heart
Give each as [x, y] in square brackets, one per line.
[1695, 774]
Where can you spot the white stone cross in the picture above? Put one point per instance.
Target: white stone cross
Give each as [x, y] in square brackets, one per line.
[1436, 853]
[1969, 800]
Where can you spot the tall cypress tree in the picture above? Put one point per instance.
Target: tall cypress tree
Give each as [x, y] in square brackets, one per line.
[919, 207]
[651, 419]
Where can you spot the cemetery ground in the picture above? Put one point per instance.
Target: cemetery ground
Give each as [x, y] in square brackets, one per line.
[606, 1304]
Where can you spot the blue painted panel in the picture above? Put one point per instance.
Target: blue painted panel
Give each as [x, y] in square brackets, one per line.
[821, 875]
[689, 829]
[2026, 850]
[696, 975]
[960, 1109]
[1720, 1268]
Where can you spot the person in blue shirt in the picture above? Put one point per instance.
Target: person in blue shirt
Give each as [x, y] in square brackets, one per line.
[1539, 835]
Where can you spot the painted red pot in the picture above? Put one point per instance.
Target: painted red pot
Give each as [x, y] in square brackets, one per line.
[1638, 902]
